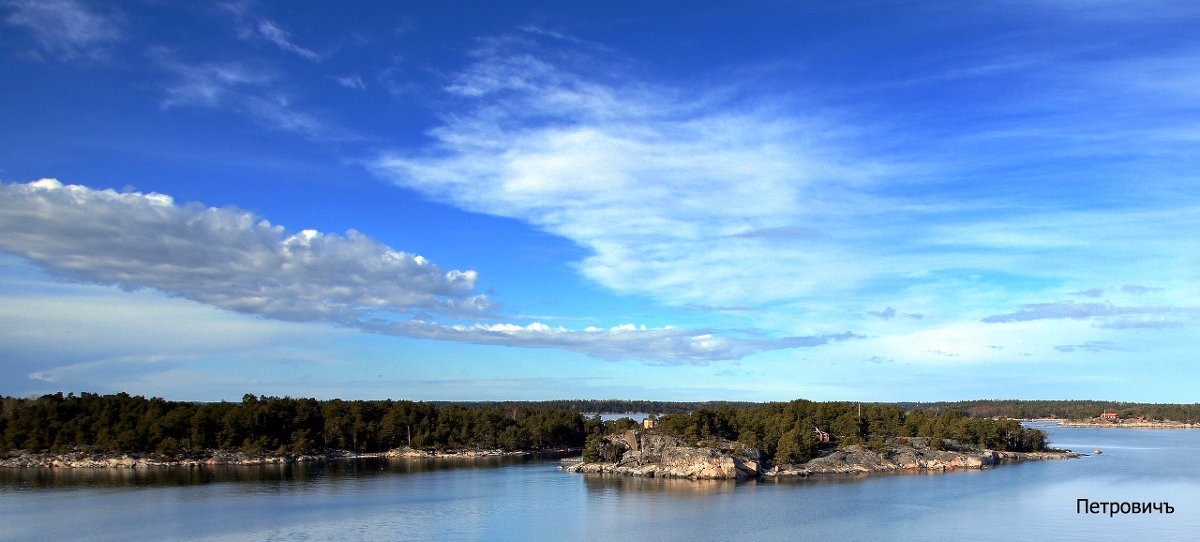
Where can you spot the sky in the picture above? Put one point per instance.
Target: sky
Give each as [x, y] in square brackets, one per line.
[874, 201]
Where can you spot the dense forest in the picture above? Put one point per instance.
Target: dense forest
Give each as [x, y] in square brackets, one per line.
[787, 432]
[283, 425]
[275, 425]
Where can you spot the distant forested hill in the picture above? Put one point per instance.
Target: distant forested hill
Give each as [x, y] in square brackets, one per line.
[1069, 409]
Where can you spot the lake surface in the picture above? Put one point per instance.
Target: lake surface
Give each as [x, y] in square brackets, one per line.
[529, 499]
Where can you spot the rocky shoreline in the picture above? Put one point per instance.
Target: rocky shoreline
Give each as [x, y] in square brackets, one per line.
[88, 460]
[656, 455]
[857, 459]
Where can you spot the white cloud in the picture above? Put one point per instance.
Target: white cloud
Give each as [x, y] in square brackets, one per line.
[224, 257]
[885, 314]
[690, 200]
[1092, 346]
[209, 84]
[269, 30]
[731, 196]
[252, 27]
[67, 28]
[666, 345]
[250, 89]
[233, 260]
[1113, 316]
[351, 81]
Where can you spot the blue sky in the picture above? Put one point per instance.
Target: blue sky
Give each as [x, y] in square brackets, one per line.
[850, 200]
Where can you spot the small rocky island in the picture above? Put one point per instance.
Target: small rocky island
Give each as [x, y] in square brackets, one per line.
[651, 454]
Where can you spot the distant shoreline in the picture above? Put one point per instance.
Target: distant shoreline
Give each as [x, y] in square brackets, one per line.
[1128, 424]
[1117, 424]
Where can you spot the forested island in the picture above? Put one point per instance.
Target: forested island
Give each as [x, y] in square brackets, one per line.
[259, 426]
[801, 438]
[784, 437]
[275, 426]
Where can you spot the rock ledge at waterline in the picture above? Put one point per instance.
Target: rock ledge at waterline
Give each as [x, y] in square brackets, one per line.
[649, 454]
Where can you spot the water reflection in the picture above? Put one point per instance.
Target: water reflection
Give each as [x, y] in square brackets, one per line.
[281, 475]
[675, 487]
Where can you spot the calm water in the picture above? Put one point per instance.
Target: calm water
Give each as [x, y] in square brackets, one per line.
[529, 499]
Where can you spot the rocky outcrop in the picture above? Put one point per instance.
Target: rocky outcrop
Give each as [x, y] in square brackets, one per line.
[657, 455]
[412, 453]
[858, 459]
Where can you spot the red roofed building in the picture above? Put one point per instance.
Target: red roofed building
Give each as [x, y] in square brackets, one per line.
[1109, 416]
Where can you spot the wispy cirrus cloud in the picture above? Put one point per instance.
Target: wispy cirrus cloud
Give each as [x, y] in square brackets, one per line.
[1092, 346]
[233, 260]
[685, 198]
[731, 196]
[250, 88]
[252, 27]
[271, 31]
[351, 81]
[1137, 289]
[67, 28]
[1112, 316]
[663, 345]
[209, 84]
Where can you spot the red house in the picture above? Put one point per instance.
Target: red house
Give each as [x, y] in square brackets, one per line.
[1109, 416]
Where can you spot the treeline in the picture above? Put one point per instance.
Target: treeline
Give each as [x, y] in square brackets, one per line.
[1069, 409]
[608, 406]
[275, 425]
[787, 432]
[984, 408]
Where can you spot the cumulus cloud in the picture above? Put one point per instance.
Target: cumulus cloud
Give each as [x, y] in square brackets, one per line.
[233, 260]
[66, 28]
[223, 257]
